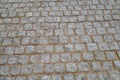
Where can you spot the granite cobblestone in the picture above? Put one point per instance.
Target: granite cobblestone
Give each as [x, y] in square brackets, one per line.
[59, 39]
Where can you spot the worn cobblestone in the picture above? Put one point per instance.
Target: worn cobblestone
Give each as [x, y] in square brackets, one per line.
[59, 39]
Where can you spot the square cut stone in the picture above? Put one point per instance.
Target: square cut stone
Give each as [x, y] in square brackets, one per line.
[100, 56]
[111, 55]
[87, 56]
[55, 58]
[76, 57]
[38, 68]
[92, 46]
[117, 64]
[96, 66]
[71, 67]
[65, 57]
[45, 58]
[83, 66]
[15, 70]
[59, 67]
[49, 68]
[30, 49]
[69, 47]
[68, 77]
[26, 69]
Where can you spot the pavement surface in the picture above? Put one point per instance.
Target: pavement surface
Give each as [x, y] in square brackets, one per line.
[59, 39]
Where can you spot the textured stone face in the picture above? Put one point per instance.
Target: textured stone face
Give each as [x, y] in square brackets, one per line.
[59, 39]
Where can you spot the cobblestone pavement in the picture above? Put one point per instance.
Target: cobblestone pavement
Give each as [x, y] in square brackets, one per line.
[59, 39]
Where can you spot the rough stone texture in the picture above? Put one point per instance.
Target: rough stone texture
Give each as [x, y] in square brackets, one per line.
[59, 39]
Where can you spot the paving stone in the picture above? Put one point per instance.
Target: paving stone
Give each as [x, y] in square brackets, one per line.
[101, 30]
[74, 39]
[76, 57]
[38, 68]
[113, 45]
[103, 46]
[117, 37]
[25, 40]
[49, 33]
[91, 31]
[71, 67]
[19, 49]
[9, 50]
[4, 70]
[96, 66]
[69, 32]
[12, 59]
[49, 48]
[63, 39]
[103, 76]
[35, 40]
[45, 77]
[53, 40]
[100, 56]
[30, 49]
[49, 68]
[33, 77]
[59, 67]
[68, 77]
[83, 66]
[10, 78]
[117, 64]
[43, 40]
[65, 57]
[56, 77]
[55, 58]
[26, 69]
[69, 47]
[92, 46]
[40, 49]
[34, 58]
[71, 25]
[108, 38]
[97, 38]
[45, 58]
[107, 66]
[92, 76]
[87, 56]
[3, 59]
[59, 48]
[20, 78]
[118, 52]
[15, 70]
[85, 38]
[79, 25]
[114, 75]
[111, 55]
[80, 77]
[23, 59]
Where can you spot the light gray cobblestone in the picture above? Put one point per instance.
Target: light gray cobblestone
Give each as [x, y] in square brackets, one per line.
[59, 39]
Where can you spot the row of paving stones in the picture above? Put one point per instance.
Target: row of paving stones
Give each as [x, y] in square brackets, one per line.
[69, 8]
[62, 28]
[59, 68]
[30, 49]
[111, 75]
[55, 20]
[58, 58]
[65, 2]
[46, 63]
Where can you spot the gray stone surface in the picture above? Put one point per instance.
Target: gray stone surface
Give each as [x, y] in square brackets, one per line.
[59, 39]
